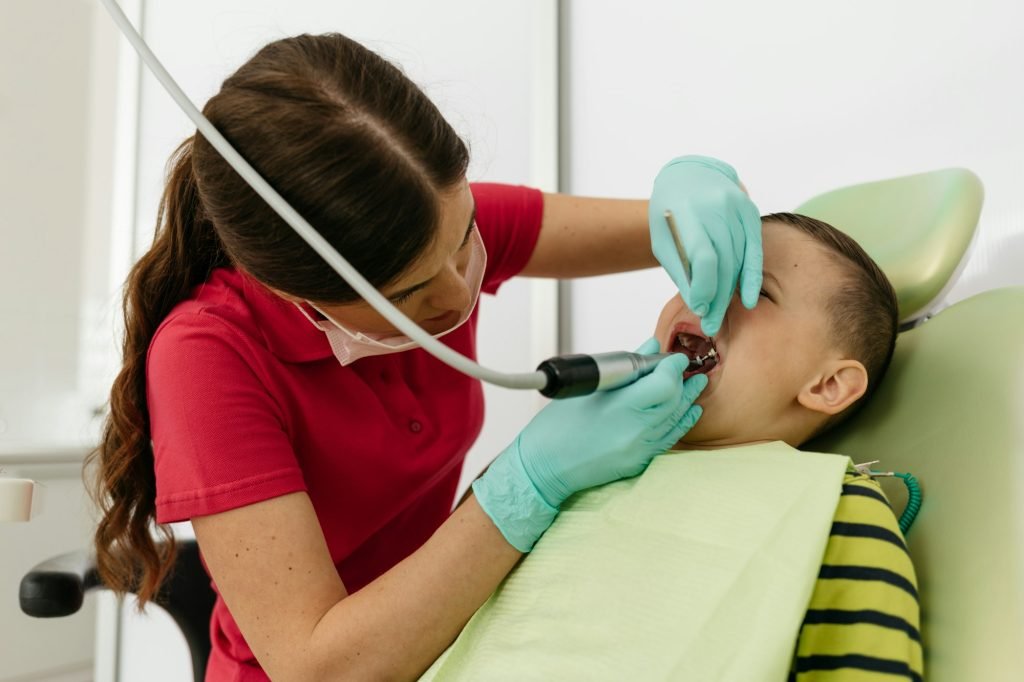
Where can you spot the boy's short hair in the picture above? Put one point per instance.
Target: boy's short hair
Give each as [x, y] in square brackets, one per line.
[863, 308]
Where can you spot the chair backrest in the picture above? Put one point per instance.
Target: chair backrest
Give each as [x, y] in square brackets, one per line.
[951, 412]
[189, 599]
[918, 228]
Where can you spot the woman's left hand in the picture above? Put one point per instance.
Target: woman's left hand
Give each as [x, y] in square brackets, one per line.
[720, 228]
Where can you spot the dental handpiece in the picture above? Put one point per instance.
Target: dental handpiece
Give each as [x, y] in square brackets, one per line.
[575, 375]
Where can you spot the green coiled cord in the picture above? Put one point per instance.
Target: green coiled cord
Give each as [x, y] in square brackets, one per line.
[914, 497]
[913, 501]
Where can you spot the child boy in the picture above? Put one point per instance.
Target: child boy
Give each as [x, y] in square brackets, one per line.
[812, 350]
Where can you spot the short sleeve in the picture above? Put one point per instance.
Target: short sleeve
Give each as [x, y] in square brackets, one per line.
[219, 437]
[509, 218]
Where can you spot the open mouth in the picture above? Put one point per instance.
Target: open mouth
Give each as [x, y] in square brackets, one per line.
[701, 350]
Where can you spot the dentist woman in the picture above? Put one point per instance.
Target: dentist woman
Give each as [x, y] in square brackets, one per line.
[315, 451]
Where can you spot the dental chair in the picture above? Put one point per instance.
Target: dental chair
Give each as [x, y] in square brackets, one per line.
[950, 411]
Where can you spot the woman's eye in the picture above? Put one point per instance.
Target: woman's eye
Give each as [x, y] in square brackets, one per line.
[403, 298]
[469, 234]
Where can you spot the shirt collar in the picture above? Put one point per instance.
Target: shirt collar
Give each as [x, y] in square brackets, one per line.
[289, 335]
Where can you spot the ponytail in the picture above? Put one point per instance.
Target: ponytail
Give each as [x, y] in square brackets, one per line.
[357, 149]
[184, 252]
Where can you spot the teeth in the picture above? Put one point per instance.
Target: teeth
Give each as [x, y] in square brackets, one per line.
[699, 360]
[687, 341]
[701, 350]
[712, 355]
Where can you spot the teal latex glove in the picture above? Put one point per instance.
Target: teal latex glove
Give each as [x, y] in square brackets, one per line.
[721, 232]
[578, 443]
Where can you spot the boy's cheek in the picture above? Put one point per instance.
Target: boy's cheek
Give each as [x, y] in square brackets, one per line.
[671, 308]
[711, 396]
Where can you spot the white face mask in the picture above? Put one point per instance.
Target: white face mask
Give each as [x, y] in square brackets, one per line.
[349, 346]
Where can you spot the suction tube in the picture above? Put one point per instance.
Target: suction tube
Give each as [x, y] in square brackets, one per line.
[557, 380]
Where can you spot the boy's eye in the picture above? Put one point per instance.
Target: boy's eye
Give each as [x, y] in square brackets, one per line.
[765, 294]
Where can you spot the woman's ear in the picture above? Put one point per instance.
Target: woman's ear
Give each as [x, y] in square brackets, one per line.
[835, 389]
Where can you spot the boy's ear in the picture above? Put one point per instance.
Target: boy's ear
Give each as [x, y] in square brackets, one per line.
[836, 388]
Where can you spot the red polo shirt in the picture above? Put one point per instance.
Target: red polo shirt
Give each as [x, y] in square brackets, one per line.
[247, 402]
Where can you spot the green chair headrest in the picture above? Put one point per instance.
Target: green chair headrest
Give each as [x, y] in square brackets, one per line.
[917, 228]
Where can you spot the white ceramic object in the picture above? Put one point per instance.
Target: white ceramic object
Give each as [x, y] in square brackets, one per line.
[16, 499]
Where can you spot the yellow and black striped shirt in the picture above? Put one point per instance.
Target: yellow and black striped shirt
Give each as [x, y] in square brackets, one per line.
[863, 622]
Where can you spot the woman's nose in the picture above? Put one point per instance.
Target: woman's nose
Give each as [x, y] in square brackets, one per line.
[452, 292]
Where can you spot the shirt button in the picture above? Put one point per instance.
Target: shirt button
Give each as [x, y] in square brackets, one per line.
[415, 426]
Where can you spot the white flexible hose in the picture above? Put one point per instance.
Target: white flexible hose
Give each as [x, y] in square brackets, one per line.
[525, 380]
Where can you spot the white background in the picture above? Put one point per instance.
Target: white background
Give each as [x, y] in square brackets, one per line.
[801, 96]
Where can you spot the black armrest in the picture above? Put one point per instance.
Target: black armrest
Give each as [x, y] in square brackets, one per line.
[57, 586]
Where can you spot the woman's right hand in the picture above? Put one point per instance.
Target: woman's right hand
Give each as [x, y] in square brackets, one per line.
[579, 443]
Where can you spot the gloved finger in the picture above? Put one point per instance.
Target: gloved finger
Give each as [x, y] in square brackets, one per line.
[669, 400]
[662, 386]
[694, 386]
[703, 263]
[649, 347]
[753, 256]
[672, 368]
[667, 431]
[728, 271]
[687, 422]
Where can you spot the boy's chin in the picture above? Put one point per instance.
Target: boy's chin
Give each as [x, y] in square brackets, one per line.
[698, 435]
[707, 435]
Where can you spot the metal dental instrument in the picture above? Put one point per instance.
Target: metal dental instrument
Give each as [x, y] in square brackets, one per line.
[678, 239]
[914, 496]
[557, 377]
[572, 375]
[697, 360]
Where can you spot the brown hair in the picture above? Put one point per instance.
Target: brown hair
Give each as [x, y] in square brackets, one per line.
[863, 307]
[357, 148]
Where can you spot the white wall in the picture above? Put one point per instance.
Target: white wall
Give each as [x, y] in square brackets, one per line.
[801, 96]
[58, 70]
